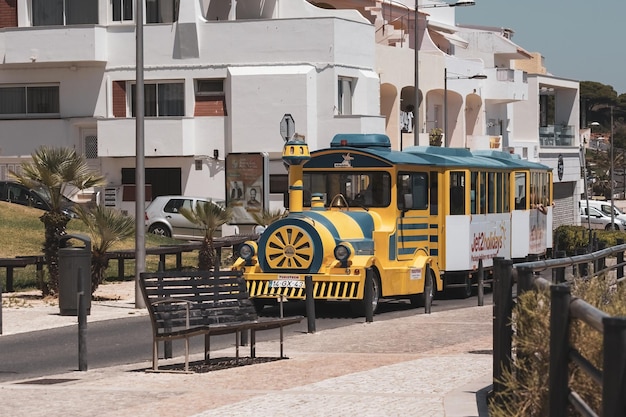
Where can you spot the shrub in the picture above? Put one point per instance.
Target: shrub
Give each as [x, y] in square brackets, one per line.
[526, 385]
[570, 238]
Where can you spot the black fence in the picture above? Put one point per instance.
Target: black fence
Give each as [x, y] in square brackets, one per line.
[522, 277]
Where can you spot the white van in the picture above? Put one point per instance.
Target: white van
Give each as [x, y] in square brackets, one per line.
[605, 207]
[599, 220]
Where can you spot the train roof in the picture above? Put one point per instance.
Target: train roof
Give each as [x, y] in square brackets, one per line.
[379, 146]
[510, 158]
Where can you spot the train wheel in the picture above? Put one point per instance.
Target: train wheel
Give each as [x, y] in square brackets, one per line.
[358, 306]
[419, 300]
[259, 304]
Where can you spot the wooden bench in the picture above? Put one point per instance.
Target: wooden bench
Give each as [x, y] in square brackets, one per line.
[192, 303]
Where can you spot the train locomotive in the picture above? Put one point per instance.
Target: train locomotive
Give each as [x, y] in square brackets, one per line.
[409, 223]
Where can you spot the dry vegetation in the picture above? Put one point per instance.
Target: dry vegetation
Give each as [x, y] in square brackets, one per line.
[526, 387]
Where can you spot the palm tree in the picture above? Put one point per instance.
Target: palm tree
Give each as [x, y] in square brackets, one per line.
[56, 169]
[105, 226]
[209, 216]
[267, 217]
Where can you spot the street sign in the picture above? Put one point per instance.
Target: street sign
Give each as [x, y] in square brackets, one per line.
[287, 127]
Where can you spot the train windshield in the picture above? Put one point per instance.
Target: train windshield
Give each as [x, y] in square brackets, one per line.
[362, 189]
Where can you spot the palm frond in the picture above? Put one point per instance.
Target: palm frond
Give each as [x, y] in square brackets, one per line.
[267, 217]
[208, 215]
[106, 226]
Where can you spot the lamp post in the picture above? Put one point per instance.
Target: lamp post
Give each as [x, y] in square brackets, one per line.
[445, 97]
[140, 179]
[459, 3]
[611, 174]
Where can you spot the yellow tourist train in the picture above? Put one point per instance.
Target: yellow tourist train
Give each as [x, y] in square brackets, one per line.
[404, 217]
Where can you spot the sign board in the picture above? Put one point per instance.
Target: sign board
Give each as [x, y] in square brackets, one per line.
[247, 177]
[287, 127]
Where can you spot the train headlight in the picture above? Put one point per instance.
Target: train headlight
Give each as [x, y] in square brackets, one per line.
[247, 251]
[342, 253]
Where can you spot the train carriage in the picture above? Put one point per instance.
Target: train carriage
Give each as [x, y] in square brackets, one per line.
[404, 217]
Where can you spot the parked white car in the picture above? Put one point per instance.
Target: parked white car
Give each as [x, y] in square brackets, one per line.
[599, 220]
[605, 207]
[163, 217]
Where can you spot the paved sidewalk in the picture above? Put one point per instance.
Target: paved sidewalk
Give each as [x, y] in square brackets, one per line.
[422, 365]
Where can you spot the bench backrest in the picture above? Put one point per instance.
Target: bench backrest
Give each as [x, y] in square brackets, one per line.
[216, 297]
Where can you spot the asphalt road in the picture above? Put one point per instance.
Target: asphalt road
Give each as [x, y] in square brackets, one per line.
[129, 340]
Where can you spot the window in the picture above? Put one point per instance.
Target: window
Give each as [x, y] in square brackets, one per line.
[23, 101]
[520, 191]
[360, 189]
[162, 11]
[344, 95]
[64, 12]
[210, 87]
[122, 10]
[162, 99]
[457, 192]
[413, 191]
[473, 193]
[434, 194]
[91, 147]
[210, 98]
[482, 208]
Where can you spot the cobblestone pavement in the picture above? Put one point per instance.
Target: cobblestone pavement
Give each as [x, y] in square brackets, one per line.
[422, 365]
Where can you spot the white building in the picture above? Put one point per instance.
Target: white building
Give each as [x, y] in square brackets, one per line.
[220, 76]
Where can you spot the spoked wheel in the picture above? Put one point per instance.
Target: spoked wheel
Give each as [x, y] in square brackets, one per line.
[358, 306]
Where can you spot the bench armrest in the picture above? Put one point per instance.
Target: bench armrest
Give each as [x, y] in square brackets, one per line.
[172, 301]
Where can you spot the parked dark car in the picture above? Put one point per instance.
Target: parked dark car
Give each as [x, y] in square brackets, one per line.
[17, 193]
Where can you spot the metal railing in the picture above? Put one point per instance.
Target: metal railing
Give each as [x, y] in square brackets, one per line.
[563, 309]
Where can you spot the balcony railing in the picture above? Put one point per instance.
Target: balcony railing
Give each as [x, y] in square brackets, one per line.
[556, 136]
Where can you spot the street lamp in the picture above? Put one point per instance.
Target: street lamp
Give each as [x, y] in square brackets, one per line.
[459, 3]
[445, 96]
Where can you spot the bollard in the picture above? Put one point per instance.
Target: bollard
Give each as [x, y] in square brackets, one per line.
[481, 283]
[428, 290]
[309, 303]
[368, 295]
[0, 307]
[620, 260]
[82, 321]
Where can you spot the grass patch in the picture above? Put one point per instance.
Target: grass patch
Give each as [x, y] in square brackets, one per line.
[22, 233]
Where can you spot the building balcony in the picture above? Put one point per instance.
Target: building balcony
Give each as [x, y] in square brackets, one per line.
[557, 136]
[505, 85]
[484, 142]
[53, 44]
[162, 136]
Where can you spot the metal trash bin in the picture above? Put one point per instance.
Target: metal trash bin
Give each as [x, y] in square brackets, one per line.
[74, 269]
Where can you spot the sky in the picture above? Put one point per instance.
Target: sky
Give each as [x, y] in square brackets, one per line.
[579, 40]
